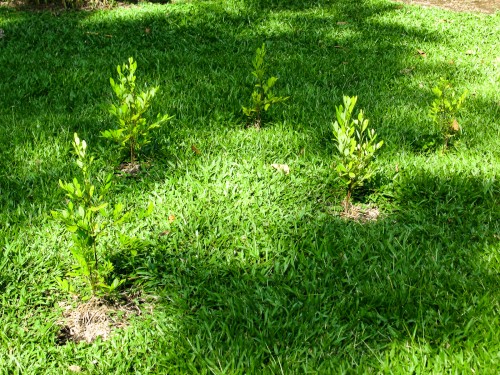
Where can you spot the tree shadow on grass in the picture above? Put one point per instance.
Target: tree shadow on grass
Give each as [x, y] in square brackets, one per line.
[58, 83]
[199, 64]
[328, 293]
[333, 294]
[196, 61]
[182, 47]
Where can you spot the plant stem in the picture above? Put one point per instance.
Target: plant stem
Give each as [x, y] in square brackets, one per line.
[132, 154]
[347, 200]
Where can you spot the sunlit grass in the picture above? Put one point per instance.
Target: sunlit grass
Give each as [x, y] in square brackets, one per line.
[249, 269]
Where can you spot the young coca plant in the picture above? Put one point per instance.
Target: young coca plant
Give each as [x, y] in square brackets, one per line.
[87, 217]
[444, 110]
[133, 131]
[262, 96]
[356, 145]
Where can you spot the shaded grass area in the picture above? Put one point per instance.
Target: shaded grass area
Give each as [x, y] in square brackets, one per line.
[257, 272]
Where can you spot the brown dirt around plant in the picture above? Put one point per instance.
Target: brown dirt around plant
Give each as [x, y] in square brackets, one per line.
[129, 169]
[483, 6]
[92, 319]
[360, 213]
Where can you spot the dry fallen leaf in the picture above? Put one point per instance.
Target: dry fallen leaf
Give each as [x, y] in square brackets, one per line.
[421, 53]
[341, 23]
[74, 368]
[195, 150]
[470, 52]
[164, 233]
[455, 126]
[147, 30]
[171, 218]
[281, 167]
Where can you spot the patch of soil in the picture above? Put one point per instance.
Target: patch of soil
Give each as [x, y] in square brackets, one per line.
[129, 169]
[483, 6]
[362, 214]
[92, 319]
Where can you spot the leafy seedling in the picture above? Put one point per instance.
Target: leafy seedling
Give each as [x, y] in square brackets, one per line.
[262, 97]
[356, 145]
[87, 217]
[444, 110]
[134, 130]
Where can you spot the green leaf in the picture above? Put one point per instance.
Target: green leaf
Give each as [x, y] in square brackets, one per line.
[341, 168]
[123, 219]
[149, 209]
[99, 207]
[72, 228]
[117, 211]
[437, 91]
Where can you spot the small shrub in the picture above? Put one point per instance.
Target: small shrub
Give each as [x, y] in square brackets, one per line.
[87, 217]
[134, 131]
[444, 110]
[356, 145]
[262, 96]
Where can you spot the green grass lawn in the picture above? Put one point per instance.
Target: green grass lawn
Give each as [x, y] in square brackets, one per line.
[258, 273]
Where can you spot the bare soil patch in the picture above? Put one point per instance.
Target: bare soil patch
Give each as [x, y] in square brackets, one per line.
[129, 169]
[360, 213]
[92, 319]
[483, 6]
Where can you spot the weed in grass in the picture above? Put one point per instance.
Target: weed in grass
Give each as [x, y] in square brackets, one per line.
[262, 96]
[444, 110]
[83, 217]
[134, 131]
[356, 145]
